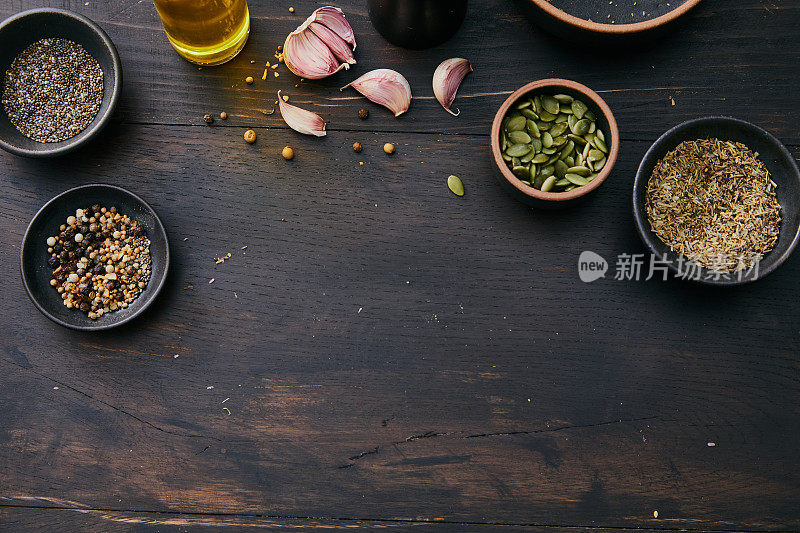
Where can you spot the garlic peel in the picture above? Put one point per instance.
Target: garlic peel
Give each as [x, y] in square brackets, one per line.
[446, 80]
[321, 45]
[300, 120]
[385, 87]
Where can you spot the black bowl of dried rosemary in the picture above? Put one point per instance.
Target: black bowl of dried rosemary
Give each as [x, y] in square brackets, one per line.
[717, 201]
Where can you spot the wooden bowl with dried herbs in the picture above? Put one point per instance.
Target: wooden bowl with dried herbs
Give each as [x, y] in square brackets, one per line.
[716, 200]
[554, 142]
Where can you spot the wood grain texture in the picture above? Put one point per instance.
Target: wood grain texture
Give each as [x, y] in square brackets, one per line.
[383, 354]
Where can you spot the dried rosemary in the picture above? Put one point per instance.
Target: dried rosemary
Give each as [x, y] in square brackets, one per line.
[714, 202]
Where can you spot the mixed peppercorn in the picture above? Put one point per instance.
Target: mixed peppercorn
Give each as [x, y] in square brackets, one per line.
[100, 260]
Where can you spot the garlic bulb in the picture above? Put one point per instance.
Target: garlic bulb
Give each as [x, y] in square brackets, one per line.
[321, 46]
[385, 87]
[447, 79]
[301, 120]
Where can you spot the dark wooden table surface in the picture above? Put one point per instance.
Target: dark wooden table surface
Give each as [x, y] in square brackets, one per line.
[383, 354]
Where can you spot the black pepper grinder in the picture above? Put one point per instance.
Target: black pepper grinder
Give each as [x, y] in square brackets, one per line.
[417, 24]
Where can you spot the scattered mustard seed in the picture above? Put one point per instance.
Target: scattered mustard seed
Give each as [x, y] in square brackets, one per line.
[250, 136]
[287, 153]
[223, 115]
[388, 148]
[291, 10]
[249, 80]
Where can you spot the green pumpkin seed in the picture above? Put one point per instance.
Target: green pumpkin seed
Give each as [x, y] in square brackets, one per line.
[547, 117]
[601, 135]
[532, 128]
[578, 139]
[562, 183]
[455, 185]
[506, 157]
[563, 98]
[599, 143]
[521, 172]
[538, 181]
[558, 129]
[561, 119]
[560, 168]
[579, 160]
[590, 115]
[547, 171]
[532, 167]
[543, 126]
[595, 155]
[540, 158]
[568, 149]
[579, 170]
[592, 176]
[549, 151]
[527, 158]
[571, 188]
[547, 139]
[515, 124]
[548, 184]
[579, 108]
[518, 150]
[565, 109]
[523, 105]
[537, 104]
[550, 105]
[593, 127]
[569, 161]
[559, 141]
[537, 145]
[515, 162]
[581, 127]
[519, 137]
[598, 165]
[528, 113]
[575, 179]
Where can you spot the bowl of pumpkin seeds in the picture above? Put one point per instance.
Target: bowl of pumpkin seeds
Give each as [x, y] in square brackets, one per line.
[554, 142]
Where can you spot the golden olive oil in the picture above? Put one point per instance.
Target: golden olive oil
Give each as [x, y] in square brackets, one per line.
[206, 32]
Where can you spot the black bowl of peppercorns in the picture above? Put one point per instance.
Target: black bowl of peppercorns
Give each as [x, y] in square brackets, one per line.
[60, 81]
[94, 257]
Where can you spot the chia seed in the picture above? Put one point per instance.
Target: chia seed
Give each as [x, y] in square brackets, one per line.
[53, 90]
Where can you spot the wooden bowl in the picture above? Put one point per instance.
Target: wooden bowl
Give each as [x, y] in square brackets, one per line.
[779, 162]
[591, 21]
[18, 32]
[605, 121]
[36, 273]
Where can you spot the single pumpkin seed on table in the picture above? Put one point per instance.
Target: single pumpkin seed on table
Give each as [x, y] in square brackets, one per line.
[455, 185]
[553, 143]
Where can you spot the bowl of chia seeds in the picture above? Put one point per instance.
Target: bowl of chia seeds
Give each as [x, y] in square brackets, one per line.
[60, 80]
[94, 257]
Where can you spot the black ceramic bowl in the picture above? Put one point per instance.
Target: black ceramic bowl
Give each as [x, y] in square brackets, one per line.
[783, 171]
[18, 32]
[36, 273]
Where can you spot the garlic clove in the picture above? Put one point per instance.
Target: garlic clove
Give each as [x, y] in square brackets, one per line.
[301, 120]
[447, 79]
[334, 19]
[385, 87]
[340, 49]
[305, 54]
[316, 47]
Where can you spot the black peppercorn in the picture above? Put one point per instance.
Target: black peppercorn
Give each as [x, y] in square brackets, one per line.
[84, 228]
[53, 262]
[85, 307]
[98, 269]
[57, 248]
[63, 255]
[69, 232]
[86, 290]
[363, 113]
[208, 118]
[96, 209]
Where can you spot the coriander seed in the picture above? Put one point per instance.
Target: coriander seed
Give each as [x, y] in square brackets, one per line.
[249, 80]
[287, 153]
[250, 136]
[223, 116]
[388, 148]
